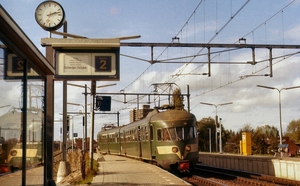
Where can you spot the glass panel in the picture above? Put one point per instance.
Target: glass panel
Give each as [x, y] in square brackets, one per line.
[159, 134]
[166, 135]
[173, 133]
[188, 133]
[11, 124]
[179, 133]
[151, 132]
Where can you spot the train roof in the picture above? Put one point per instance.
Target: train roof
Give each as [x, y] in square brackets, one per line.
[173, 115]
[153, 116]
[13, 118]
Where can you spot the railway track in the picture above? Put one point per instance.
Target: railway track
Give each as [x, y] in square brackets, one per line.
[204, 175]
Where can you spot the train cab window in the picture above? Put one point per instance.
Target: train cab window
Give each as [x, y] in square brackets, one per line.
[163, 134]
[179, 133]
[182, 133]
[166, 134]
[189, 132]
[159, 134]
[172, 133]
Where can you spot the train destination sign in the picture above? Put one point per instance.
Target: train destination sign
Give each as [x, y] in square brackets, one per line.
[86, 59]
[103, 65]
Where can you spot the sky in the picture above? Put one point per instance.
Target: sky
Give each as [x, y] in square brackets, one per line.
[192, 21]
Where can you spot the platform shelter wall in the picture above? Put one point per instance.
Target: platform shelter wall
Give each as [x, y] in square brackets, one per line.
[284, 167]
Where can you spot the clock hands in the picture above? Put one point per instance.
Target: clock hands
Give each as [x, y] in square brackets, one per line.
[52, 13]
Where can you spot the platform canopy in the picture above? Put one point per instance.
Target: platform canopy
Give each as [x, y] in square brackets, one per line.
[17, 41]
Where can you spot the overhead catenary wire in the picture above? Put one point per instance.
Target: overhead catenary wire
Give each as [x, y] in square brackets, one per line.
[214, 36]
[172, 79]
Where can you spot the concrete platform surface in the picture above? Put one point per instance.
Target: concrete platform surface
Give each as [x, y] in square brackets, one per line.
[113, 170]
[118, 170]
[34, 177]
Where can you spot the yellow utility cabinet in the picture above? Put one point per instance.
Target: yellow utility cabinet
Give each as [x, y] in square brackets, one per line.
[246, 144]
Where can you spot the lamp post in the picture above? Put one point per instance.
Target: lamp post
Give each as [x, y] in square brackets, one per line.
[216, 120]
[280, 118]
[76, 104]
[85, 113]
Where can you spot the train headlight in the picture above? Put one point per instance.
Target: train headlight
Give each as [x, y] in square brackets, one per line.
[188, 148]
[13, 152]
[174, 149]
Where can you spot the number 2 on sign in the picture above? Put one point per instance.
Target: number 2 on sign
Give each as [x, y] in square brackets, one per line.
[102, 65]
[20, 65]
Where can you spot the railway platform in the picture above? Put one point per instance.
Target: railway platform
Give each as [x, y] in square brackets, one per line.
[33, 177]
[118, 170]
[113, 170]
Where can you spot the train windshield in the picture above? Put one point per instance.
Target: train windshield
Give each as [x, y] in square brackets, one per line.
[177, 133]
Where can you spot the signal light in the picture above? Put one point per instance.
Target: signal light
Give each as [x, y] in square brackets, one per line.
[184, 166]
[103, 103]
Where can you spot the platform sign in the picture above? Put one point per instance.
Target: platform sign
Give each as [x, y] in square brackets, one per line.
[14, 67]
[103, 103]
[99, 65]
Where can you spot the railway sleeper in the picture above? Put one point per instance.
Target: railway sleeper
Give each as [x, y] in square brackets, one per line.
[254, 182]
[276, 179]
[203, 181]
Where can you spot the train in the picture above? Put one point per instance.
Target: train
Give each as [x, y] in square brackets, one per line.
[11, 155]
[165, 137]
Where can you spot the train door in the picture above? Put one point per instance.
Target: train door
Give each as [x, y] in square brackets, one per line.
[107, 140]
[123, 147]
[151, 138]
[139, 141]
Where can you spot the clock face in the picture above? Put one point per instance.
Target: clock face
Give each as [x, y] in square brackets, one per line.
[50, 15]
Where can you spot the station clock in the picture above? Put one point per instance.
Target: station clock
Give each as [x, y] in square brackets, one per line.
[50, 15]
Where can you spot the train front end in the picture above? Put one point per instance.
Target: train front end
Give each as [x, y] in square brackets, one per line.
[175, 143]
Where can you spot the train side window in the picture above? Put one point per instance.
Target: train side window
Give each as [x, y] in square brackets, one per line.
[159, 135]
[146, 134]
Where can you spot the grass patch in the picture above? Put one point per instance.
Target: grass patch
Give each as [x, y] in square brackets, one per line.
[89, 173]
